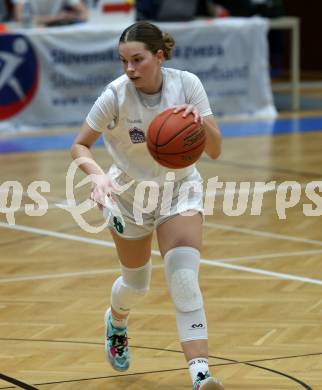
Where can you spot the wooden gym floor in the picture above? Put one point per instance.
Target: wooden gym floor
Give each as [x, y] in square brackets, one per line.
[261, 275]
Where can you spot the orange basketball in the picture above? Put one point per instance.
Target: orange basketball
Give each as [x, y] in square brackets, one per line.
[175, 141]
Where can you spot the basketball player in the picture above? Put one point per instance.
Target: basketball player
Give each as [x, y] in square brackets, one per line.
[122, 114]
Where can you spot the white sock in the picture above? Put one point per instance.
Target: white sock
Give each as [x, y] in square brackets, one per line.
[198, 365]
[119, 323]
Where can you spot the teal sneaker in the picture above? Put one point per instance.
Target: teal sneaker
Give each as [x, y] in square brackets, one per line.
[116, 345]
[207, 382]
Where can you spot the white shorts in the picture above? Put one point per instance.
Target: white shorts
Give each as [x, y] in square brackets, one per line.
[145, 204]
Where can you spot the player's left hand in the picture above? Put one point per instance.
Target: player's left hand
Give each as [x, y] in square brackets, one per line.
[187, 109]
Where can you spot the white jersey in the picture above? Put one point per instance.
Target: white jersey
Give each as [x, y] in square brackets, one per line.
[123, 115]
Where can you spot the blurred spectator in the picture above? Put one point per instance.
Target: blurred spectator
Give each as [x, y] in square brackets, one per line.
[52, 12]
[219, 8]
[264, 8]
[90, 4]
[267, 8]
[5, 10]
[223, 8]
[176, 10]
[170, 10]
[276, 38]
[146, 9]
[166, 10]
[184, 10]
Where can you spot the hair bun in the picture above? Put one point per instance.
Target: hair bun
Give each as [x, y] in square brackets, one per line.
[169, 44]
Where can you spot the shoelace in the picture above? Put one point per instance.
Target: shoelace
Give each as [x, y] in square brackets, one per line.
[119, 342]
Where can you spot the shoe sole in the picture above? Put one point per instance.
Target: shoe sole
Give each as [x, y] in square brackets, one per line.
[108, 357]
[211, 384]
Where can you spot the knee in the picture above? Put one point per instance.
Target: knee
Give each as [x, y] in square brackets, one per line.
[121, 292]
[182, 269]
[131, 287]
[137, 279]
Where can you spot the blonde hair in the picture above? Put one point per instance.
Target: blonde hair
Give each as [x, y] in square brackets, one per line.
[152, 37]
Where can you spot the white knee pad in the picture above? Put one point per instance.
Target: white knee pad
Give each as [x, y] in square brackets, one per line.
[181, 268]
[130, 288]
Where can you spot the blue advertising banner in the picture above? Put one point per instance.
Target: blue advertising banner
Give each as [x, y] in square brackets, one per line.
[52, 77]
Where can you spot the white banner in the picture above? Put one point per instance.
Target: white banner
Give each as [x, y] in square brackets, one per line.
[52, 77]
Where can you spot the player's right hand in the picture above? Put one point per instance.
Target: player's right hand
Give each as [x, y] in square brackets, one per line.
[102, 186]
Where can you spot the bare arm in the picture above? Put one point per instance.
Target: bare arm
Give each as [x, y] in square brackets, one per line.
[81, 148]
[102, 184]
[213, 140]
[209, 123]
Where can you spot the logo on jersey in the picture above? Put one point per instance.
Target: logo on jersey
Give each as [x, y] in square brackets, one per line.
[137, 135]
[19, 74]
[133, 121]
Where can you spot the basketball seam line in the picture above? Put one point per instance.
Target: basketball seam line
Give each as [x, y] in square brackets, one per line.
[176, 135]
[189, 150]
[160, 128]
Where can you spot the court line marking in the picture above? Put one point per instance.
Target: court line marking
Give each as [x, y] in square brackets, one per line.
[255, 190]
[262, 168]
[217, 225]
[278, 275]
[26, 195]
[230, 228]
[227, 362]
[66, 274]
[216, 263]
[262, 233]
[52, 233]
[16, 382]
[272, 255]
